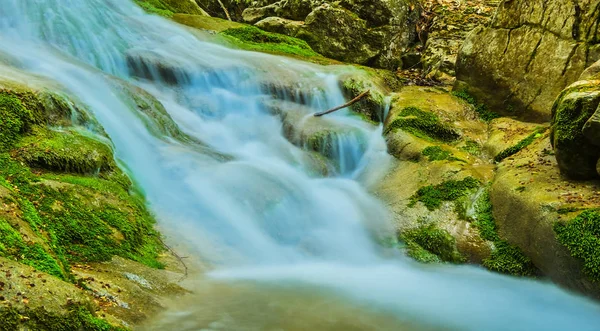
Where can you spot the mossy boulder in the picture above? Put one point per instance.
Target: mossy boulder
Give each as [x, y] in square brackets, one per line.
[574, 130]
[535, 209]
[342, 34]
[65, 203]
[168, 8]
[374, 33]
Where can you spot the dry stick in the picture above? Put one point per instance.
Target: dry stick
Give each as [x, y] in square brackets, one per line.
[224, 9]
[176, 256]
[348, 104]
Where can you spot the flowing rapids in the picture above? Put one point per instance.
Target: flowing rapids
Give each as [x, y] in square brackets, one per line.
[290, 248]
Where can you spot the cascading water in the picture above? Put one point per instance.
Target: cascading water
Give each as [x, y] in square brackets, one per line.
[258, 213]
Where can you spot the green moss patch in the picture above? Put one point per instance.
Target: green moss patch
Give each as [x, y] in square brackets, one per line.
[433, 196]
[538, 133]
[255, 39]
[484, 112]
[420, 254]
[471, 147]
[437, 153]
[432, 240]
[77, 317]
[13, 119]
[423, 124]
[66, 151]
[83, 219]
[168, 8]
[581, 236]
[31, 254]
[505, 258]
[509, 259]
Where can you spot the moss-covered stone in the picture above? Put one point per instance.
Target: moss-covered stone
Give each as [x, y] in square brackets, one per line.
[509, 259]
[66, 151]
[484, 112]
[575, 153]
[581, 236]
[255, 39]
[433, 240]
[538, 133]
[437, 153]
[505, 258]
[433, 196]
[76, 317]
[77, 206]
[13, 119]
[423, 124]
[168, 8]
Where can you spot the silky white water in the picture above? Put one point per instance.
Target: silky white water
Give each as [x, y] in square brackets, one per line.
[261, 213]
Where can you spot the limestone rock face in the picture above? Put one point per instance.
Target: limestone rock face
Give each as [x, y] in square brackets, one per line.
[374, 33]
[530, 52]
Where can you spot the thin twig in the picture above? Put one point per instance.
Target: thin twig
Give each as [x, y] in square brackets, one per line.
[348, 104]
[179, 258]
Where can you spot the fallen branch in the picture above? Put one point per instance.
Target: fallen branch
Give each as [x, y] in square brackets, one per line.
[224, 9]
[177, 256]
[346, 105]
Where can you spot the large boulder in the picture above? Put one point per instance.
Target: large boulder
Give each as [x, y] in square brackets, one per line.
[576, 131]
[531, 51]
[374, 33]
[532, 202]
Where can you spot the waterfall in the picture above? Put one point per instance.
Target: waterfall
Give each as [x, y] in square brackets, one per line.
[259, 212]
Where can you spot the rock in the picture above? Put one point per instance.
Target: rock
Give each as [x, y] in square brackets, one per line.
[530, 52]
[253, 15]
[529, 198]
[504, 133]
[572, 128]
[339, 34]
[448, 27]
[280, 25]
[289, 9]
[206, 22]
[374, 33]
[592, 72]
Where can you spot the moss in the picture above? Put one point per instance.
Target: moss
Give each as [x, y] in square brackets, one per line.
[433, 196]
[13, 119]
[484, 112]
[66, 151]
[509, 259]
[77, 317]
[437, 153]
[484, 217]
[88, 211]
[420, 254]
[168, 8]
[538, 133]
[471, 147]
[423, 124]
[505, 258]
[581, 236]
[255, 39]
[31, 254]
[434, 240]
